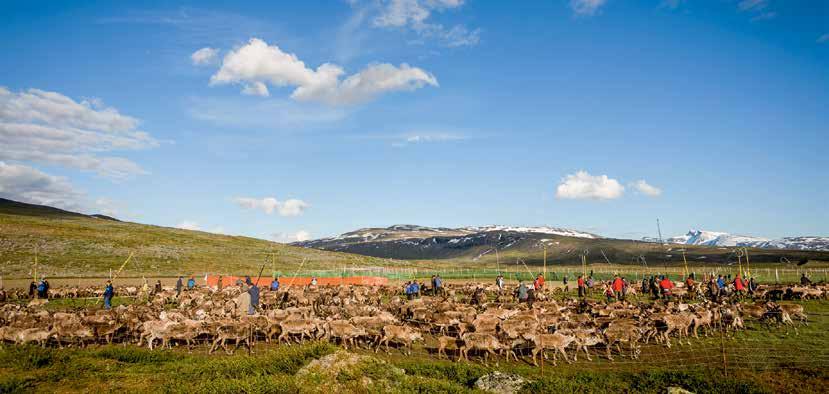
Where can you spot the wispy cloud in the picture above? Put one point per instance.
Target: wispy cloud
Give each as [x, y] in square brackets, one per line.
[586, 7]
[823, 39]
[272, 114]
[205, 56]
[425, 138]
[416, 15]
[645, 188]
[270, 205]
[760, 9]
[672, 4]
[298, 236]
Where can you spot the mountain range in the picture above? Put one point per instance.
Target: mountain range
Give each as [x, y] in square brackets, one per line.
[488, 243]
[712, 238]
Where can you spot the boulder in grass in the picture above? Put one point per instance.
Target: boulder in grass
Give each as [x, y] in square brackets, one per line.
[500, 383]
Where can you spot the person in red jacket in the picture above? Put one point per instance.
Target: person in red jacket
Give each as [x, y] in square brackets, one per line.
[539, 282]
[617, 287]
[666, 285]
[739, 287]
[582, 287]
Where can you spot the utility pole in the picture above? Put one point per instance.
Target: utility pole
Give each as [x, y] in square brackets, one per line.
[659, 230]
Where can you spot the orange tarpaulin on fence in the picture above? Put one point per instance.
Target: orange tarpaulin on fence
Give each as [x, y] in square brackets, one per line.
[302, 281]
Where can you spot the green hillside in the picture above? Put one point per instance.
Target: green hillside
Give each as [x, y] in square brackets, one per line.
[73, 244]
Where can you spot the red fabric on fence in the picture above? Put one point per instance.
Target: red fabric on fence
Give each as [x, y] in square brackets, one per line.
[302, 281]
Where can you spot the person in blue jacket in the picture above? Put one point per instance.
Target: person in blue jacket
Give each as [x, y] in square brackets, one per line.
[109, 292]
[191, 283]
[275, 284]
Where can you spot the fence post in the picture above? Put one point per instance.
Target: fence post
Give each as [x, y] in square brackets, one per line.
[722, 348]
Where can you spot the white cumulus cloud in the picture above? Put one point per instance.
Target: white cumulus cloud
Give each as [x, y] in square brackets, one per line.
[586, 7]
[47, 127]
[269, 205]
[298, 236]
[30, 185]
[582, 185]
[647, 189]
[204, 56]
[257, 64]
[188, 225]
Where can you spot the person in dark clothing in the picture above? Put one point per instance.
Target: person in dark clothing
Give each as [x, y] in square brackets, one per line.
[158, 288]
[109, 292]
[805, 281]
[179, 285]
[254, 299]
[564, 282]
[32, 289]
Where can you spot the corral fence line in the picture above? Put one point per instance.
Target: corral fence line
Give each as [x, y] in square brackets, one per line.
[557, 273]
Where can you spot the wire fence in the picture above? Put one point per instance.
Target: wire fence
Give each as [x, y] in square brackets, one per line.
[557, 273]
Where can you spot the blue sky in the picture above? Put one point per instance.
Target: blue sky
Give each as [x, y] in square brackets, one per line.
[313, 118]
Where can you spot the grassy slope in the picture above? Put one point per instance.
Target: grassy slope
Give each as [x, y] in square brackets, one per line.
[71, 244]
[759, 360]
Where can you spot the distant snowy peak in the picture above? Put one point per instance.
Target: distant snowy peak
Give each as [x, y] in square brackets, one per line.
[713, 238]
[540, 230]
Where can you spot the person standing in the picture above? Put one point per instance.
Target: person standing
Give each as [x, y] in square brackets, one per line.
[109, 292]
[41, 289]
[666, 285]
[564, 282]
[539, 282]
[243, 301]
[191, 283]
[582, 287]
[254, 299]
[32, 289]
[158, 288]
[499, 281]
[179, 285]
[220, 283]
[522, 292]
[438, 285]
[617, 287]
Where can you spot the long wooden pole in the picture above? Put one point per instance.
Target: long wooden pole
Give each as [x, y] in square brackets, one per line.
[34, 279]
[748, 266]
[545, 261]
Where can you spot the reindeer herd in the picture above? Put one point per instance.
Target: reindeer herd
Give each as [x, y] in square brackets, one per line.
[378, 317]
